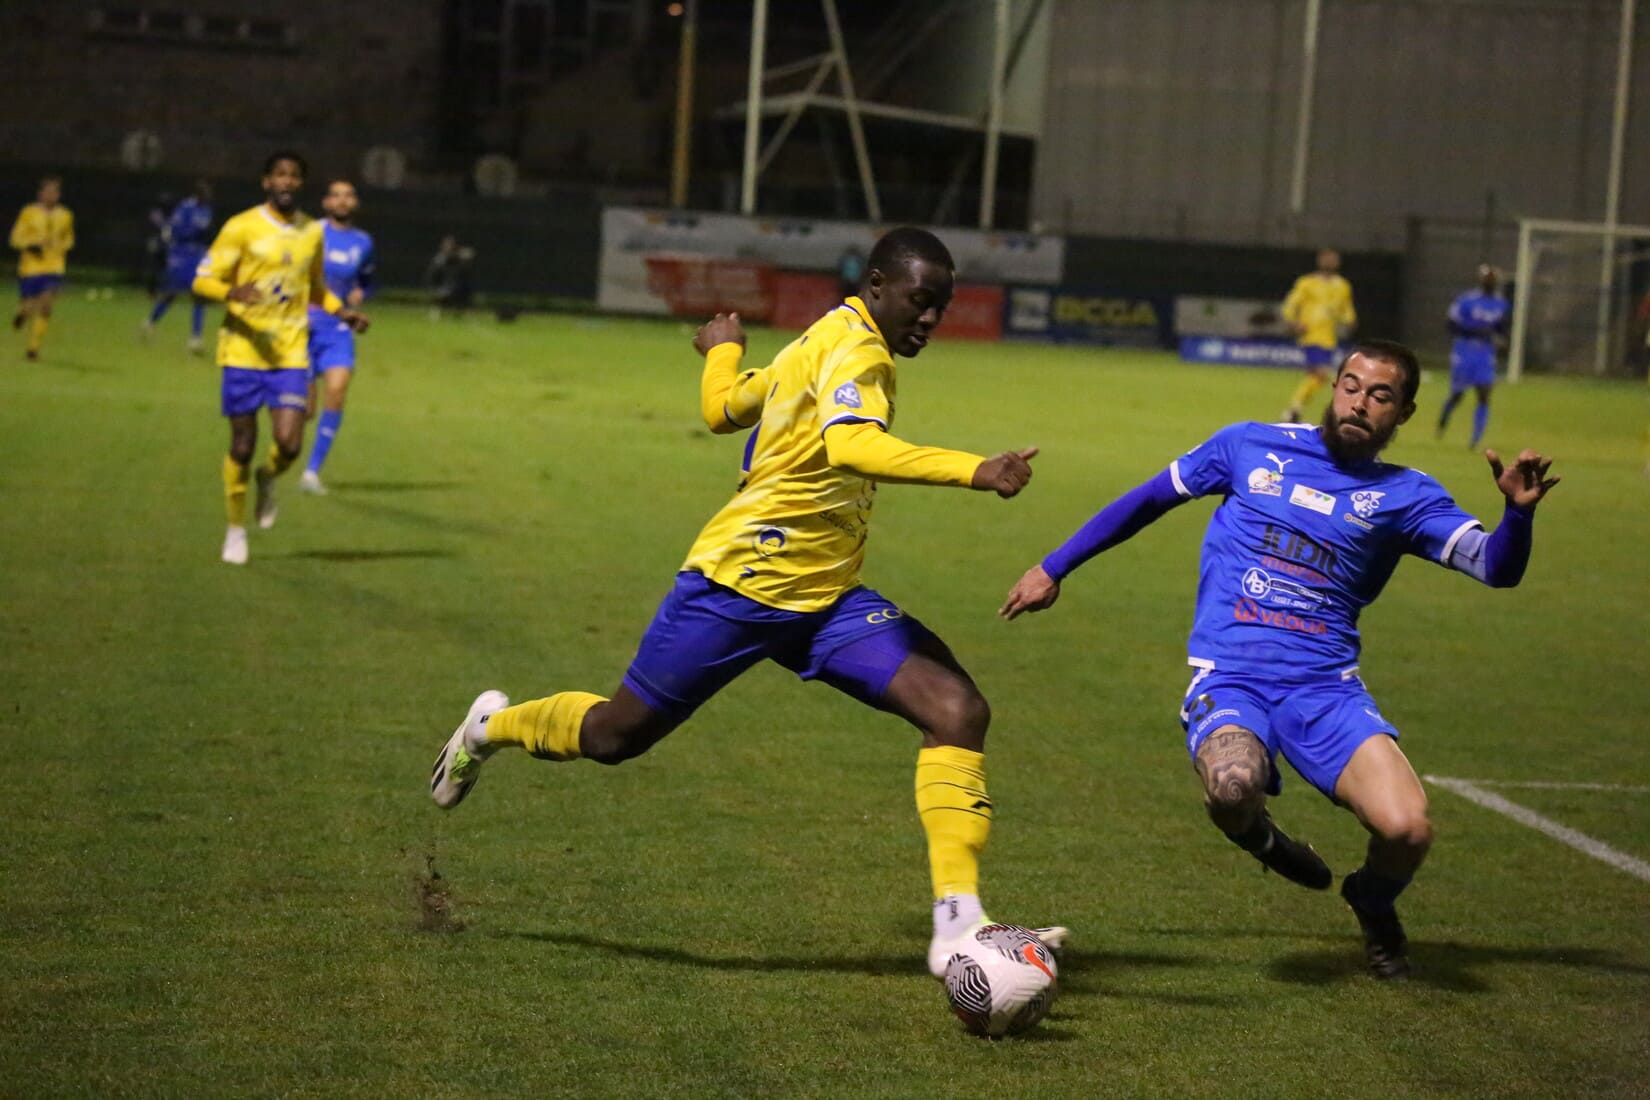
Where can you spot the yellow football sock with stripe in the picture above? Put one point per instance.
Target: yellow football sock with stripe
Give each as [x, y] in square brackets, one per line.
[547, 728]
[1310, 385]
[956, 814]
[235, 475]
[37, 330]
[278, 461]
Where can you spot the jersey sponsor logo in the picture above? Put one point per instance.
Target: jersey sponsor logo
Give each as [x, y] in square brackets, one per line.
[1248, 611]
[1304, 496]
[1366, 501]
[1296, 547]
[1281, 462]
[847, 395]
[1267, 483]
[1356, 522]
[1260, 585]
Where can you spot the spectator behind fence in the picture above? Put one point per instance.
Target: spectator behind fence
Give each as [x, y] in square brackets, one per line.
[450, 277]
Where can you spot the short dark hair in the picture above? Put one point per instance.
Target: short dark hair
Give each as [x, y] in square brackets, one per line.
[285, 154]
[907, 242]
[337, 180]
[1399, 355]
[44, 180]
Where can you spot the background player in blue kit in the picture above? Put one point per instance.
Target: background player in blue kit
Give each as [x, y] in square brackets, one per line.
[1309, 529]
[1478, 321]
[350, 267]
[188, 233]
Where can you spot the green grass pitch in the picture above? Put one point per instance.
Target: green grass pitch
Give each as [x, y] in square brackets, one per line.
[218, 840]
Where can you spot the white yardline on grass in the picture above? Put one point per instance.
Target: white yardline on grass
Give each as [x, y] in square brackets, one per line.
[1542, 785]
[1581, 842]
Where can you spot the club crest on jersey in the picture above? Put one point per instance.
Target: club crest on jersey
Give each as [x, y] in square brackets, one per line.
[847, 395]
[1268, 483]
[1365, 501]
[768, 541]
[1305, 497]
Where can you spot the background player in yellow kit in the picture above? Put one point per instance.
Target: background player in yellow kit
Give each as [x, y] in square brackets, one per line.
[775, 574]
[43, 235]
[266, 264]
[1319, 310]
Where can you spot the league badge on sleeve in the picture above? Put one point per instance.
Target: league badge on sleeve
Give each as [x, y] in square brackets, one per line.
[847, 395]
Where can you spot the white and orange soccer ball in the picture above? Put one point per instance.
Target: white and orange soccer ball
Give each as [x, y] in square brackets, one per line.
[1001, 981]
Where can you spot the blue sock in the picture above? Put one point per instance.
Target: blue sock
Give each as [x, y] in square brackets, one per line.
[1449, 409]
[1480, 421]
[159, 311]
[1377, 892]
[330, 420]
[197, 320]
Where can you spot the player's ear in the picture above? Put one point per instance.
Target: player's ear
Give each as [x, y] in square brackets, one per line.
[874, 282]
[1409, 411]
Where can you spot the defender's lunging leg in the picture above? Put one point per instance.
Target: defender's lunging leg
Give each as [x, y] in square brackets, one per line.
[1235, 769]
[1380, 787]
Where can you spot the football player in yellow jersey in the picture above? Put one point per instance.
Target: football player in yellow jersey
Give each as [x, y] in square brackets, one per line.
[43, 235]
[266, 264]
[775, 574]
[1319, 311]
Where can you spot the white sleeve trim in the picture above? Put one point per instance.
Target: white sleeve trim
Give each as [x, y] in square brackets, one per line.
[1174, 476]
[1449, 547]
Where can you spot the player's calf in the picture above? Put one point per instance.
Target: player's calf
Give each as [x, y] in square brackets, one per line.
[1234, 768]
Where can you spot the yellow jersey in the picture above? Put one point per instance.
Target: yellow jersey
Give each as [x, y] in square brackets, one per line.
[1322, 306]
[51, 231]
[283, 259]
[793, 536]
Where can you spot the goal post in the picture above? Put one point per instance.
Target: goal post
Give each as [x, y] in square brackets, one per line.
[1574, 290]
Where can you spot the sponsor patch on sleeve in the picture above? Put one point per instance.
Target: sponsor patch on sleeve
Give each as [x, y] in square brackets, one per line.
[847, 395]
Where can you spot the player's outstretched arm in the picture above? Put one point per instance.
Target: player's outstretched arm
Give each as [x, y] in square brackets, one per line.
[729, 401]
[1500, 558]
[1525, 482]
[1116, 522]
[865, 448]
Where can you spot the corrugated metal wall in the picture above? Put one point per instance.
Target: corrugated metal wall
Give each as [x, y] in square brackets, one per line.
[1176, 118]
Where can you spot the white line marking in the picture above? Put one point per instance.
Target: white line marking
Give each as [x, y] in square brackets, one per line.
[1541, 785]
[1581, 842]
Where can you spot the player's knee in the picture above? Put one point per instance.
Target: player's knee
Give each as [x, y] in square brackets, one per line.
[1410, 827]
[961, 717]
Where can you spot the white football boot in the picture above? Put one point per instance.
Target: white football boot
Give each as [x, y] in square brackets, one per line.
[310, 482]
[460, 760]
[234, 546]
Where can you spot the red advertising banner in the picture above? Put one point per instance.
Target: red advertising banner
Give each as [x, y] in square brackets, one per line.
[800, 299]
[700, 286]
[976, 313]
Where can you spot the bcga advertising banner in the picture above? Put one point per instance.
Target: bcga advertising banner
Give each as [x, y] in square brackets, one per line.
[1062, 315]
[661, 261]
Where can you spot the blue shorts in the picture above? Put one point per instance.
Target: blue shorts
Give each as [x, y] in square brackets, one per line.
[180, 272]
[704, 636]
[1317, 725]
[32, 286]
[1471, 368]
[331, 344]
[245, 391]
[1317, 357]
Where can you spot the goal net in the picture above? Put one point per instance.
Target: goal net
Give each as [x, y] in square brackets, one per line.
[1580, 298]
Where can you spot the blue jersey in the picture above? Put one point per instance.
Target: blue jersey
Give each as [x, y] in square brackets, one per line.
[1300, 545]
[1476, 318]
[189, 229]
[348, 261]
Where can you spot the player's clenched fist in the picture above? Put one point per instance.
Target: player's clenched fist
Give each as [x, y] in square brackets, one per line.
[724, 328]
[1006, 474]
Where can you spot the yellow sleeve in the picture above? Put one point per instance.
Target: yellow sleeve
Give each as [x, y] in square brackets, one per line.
[864, 448]
[214, 278]
[68, 231]
[1292, 304]
[729, 400]
[319, 295]
[20, 230]
[1349, 316]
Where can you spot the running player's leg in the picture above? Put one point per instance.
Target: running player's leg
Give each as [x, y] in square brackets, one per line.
[243, 438]
[1457, 390]
[334, 387]
[286, 395]
[1481, 414]
[197, 324]
[1318, 361]
[40, 318]
[163, 302]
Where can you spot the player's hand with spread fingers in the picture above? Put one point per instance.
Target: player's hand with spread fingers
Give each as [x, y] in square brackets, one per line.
[1526, 481]
[1005, 474]
[724, 328]
[1036, 591]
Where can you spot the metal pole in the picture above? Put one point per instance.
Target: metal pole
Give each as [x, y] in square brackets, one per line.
[753, 105]
[1521, 303]
[683, 152]
[1612, 193]
[862, 155]
[994, 119]
[1303, 118]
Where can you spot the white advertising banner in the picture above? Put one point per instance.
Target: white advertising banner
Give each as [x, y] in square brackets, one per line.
[1237, 318]
[648, 256]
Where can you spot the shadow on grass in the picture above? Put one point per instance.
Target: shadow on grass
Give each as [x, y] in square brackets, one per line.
[392, 486]
[367, 555]
[1458, 967]
[53, 363]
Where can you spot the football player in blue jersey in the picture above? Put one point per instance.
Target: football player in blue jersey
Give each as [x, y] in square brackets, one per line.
[188, 233]
[1478, 321]
[351, 267]
[1310, 526]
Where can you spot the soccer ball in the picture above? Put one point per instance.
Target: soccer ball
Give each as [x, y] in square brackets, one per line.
[1001, 981]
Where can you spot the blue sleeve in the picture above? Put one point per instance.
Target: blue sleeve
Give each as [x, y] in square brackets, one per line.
[1434, 524]
[1207, 468]
[366, 276]
[1117, 521]
[1499, 559]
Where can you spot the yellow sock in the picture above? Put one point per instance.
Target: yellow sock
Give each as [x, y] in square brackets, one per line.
[37, 330]
[278, 460]
[235, 476]
[956, 814]
[1310, 385]
[547, 728]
